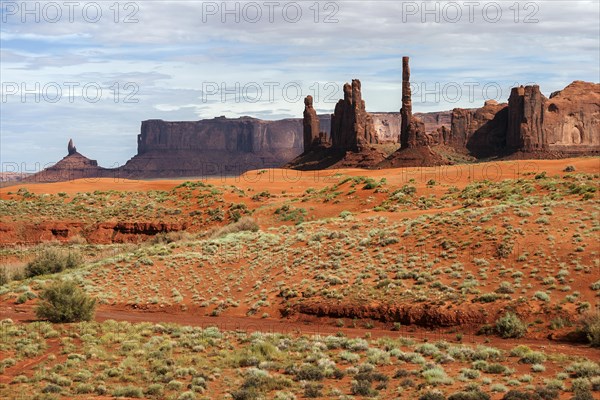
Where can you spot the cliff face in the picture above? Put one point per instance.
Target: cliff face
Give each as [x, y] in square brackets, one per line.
[567, 122]
[387, 127]
[525, 118]
[482, 131]
[244, 135]
[218, 146]
[571, 118]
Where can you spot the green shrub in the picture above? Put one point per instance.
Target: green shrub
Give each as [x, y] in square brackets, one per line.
[362, 387]
[584, 369]
[63, 301]
[313, 390]
[591, 328]
[518, 395]
[432, 395]
[4, 279]
[533, 357]
[128, 391]
[469, 395]
[510, 326]
[546, 393]
[243, 224]
[309, 372]
[583, 395]
[52, 261]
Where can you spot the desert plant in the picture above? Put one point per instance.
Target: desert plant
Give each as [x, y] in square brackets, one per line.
[4, 279]
[313, 390]
[469, 395]
[63, 301]
[52, 261]
[432, 395]
[243, 224]
[584, 369]
[591, 328]
[510, 326]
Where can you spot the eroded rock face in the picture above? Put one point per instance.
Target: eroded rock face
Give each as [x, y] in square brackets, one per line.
[351, 126]
[387, 127]
[525, 119]
[482, 131]
[435, 121]
[311, 124]
[568, 122]
[571, 118]
[218, 146]
[245, 134]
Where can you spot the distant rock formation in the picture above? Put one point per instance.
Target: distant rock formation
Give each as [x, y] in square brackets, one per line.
[71, 148]
[406, 110]
[414, 141]
[435, 121]
[218, 146]
[568, 122]
[351, 126]
[572, 118]
[525, 119]
[311, 124]
[412, 133]
[530, 125]
[481, 131]
[387, 127]
[73, 166]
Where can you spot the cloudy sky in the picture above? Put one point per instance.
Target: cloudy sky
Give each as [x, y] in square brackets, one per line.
[92, 71]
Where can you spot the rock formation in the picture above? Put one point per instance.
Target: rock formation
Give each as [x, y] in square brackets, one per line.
[406, 110]
[311, 124]
[351, 126]
[435, 121]
[71, 148]
[525, 119]
[571, 119]
[481, 131]
[412, 132]
[218, 146]
[568, 122]
[530, 125]
[73, 166]
[387, 127]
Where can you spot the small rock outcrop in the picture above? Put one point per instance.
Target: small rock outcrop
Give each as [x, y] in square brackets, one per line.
[71, 148]
[311, 124]
[351, 126]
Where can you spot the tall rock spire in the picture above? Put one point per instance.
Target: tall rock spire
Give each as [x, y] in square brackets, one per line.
[351, 125]
[310, 123]
[406, 111]
[71, 148]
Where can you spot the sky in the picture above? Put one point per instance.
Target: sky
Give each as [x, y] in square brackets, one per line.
[93, 70]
